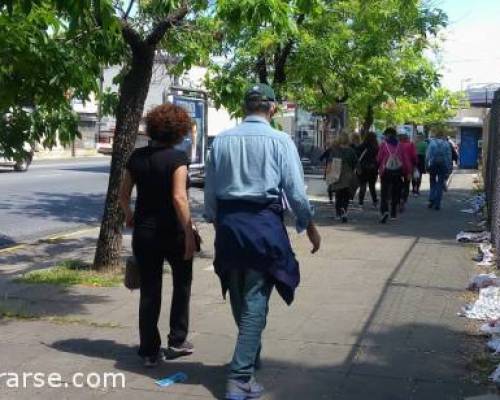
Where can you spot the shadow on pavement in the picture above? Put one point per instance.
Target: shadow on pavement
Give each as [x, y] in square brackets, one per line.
[416, 221]
[387, 367]
[126, 359]
[79, 208]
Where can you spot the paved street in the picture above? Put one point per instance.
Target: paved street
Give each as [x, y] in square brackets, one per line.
[53, 197]
[375, 318]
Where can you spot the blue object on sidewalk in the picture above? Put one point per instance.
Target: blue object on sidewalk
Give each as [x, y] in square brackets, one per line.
[178, 377]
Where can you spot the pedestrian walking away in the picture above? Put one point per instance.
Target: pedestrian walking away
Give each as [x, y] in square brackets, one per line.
[162, 229]
[367, 168]
[249, 170]
[409, 164]
[421, 146]
[343, 157]
[356, 142]
[325, 157]
[440, 165]
[454, 150]
[390, 161]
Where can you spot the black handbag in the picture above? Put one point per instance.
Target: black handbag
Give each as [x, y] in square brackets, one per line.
[132, 279]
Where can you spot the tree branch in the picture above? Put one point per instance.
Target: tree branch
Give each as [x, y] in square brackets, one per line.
[282, 54]
[261, 69]
[129, 9]
[280, 58]
[172, 19]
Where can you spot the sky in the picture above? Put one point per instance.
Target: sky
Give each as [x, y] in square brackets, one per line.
[471, 53]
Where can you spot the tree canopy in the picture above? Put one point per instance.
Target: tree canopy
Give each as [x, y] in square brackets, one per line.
[320, 53]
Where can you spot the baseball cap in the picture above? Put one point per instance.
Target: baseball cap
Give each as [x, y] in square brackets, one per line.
[260, 91]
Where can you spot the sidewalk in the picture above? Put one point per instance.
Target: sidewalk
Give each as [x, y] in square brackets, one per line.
[374, 318]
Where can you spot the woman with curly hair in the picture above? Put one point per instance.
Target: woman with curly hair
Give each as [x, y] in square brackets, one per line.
[162, 229]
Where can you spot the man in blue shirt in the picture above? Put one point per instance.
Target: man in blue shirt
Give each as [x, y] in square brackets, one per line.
[251, 171]
[440, 166]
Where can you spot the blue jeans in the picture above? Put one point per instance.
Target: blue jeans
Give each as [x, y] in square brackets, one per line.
[438, 174]
[249, 291]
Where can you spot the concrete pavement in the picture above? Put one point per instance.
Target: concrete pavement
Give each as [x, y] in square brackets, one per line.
[375, 318]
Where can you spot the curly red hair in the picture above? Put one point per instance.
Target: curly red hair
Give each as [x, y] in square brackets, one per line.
[168, 123]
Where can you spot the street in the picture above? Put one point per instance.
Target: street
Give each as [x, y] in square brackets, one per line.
[55, 196]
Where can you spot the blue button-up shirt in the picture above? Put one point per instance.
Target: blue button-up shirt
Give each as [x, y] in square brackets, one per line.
[255, 162]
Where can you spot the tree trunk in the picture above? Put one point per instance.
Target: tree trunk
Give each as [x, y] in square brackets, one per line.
[369, 119]
[133, 93]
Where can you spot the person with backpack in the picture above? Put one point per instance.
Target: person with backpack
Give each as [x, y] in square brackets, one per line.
[440, 165]
[341, 174]
[409, 164]
[390, 160]
[367, 168]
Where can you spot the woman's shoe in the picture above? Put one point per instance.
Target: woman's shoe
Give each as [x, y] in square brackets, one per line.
[184, 349]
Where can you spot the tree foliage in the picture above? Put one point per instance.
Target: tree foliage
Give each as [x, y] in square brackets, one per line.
[435, 109]
[41, 71]
[319, 53]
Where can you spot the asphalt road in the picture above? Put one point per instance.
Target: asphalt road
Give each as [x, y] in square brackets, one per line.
[56, 196]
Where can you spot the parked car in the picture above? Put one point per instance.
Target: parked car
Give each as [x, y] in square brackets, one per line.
[20, 165]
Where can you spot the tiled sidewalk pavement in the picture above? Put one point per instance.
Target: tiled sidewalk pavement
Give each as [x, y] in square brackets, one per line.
[375, 318]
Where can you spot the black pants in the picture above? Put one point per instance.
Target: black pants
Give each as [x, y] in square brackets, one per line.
[370, 181]
[391, 191]
[151, 250]
[416, 183]
[405, 191]
[342, 197]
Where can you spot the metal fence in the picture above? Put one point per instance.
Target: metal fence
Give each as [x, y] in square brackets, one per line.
[491, 173]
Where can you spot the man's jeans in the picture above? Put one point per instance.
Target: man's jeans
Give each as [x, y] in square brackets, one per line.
[249, 291]
[438, 174]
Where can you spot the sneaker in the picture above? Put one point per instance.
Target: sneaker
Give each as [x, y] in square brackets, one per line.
[384, 218]
[437, 208]
[173, 352]
[239, 390]
[430, 205]
[150, 362]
